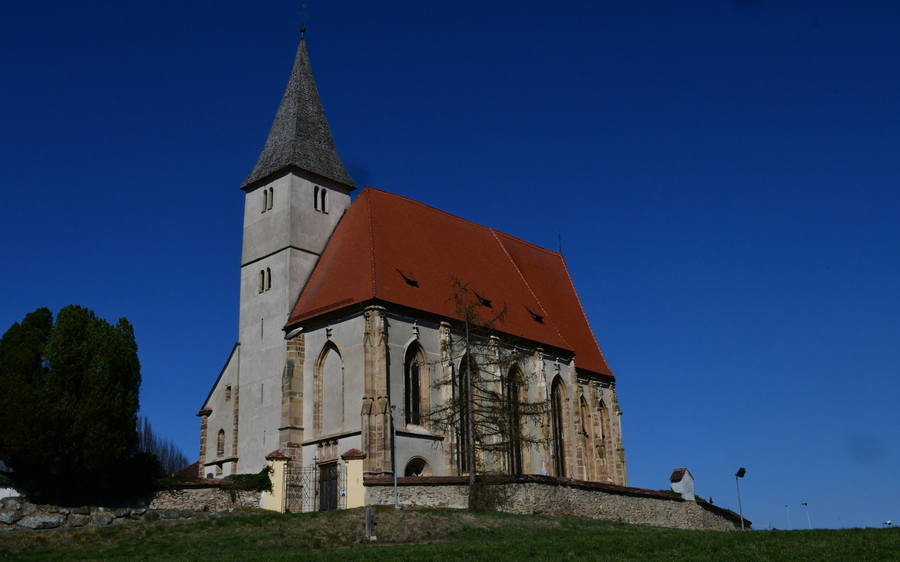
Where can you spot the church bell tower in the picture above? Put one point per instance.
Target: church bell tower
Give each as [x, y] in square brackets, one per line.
[294, 197]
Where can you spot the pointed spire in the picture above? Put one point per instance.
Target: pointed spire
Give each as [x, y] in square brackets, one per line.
[300, 136]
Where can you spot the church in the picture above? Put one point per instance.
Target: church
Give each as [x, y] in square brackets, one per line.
[377, 327]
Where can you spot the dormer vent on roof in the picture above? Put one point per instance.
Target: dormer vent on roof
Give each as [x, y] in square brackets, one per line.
[535, 316]
[300, 136]
[407, 278]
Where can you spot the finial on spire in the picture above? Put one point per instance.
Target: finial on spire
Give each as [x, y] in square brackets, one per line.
[302, 21]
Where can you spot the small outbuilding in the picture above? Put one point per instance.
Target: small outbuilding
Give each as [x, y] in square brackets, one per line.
[683, 483]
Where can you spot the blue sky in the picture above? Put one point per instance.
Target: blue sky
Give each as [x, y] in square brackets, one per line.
[723, 175]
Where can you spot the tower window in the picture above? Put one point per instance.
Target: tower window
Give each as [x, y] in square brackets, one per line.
[228, 393]
[271, 198]
[320, 200]
[265, 280]
[220, 444]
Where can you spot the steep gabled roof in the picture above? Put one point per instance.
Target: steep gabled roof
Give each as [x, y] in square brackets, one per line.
[300, 136]
[399, 251]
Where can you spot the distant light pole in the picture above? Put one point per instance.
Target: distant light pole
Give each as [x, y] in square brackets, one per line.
[808, 524]
[788, 512]
[740, 474]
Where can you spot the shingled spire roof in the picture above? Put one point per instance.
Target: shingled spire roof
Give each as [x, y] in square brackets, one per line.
[300, 136]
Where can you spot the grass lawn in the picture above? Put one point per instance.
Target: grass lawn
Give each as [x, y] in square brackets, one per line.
[444, 535]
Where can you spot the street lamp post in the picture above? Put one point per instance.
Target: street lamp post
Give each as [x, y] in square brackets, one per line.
[808, 524]
[740, 474]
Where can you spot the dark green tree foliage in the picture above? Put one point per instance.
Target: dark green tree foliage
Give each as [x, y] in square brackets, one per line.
[68, 408]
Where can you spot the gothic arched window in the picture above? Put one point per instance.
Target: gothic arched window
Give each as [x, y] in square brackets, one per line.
[467, 368]
[556, 426]
[220, 444]
[585, 419]
[586, 441]
[415, 387]
[514, 420]
[604, 429]
[328, 386]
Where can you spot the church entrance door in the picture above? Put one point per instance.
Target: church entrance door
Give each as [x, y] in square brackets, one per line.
[328, 486]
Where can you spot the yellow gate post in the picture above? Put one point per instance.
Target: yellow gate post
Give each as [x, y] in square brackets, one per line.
[356, 492]
[274, 500]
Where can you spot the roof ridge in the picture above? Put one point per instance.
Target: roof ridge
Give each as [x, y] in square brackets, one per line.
[536, 299]
[367, 192]
[457, 217]
[584, 314]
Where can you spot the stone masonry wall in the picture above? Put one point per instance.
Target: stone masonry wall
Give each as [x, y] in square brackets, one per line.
[616, 503]
[18, 514]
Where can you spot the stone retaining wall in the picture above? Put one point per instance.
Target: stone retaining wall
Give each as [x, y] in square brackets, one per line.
[204, 499]
[189, 502]
[557, 496]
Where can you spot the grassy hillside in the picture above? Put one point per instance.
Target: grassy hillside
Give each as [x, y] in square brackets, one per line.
[439, 535]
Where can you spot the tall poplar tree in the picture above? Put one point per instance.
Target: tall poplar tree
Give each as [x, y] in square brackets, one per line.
[68, 408]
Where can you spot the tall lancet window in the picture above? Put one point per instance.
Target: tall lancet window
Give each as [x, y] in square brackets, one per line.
[514, 420]
[467, 368]
[415, 375]
[271, 198]
[586, 438]
[220, 444]
[556, 425]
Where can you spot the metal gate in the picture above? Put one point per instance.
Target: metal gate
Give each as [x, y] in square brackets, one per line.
[314, 488]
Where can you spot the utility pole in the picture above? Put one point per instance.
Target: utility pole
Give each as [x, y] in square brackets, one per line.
[808, 524]
[788, 512]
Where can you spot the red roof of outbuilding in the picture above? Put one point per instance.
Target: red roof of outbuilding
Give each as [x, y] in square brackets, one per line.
[397, 250]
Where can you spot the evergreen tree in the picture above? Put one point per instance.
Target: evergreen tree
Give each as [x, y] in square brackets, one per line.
[68, 408]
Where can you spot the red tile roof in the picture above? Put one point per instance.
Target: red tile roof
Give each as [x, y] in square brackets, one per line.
[677, 475]
[353, 454]
[396, 250]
